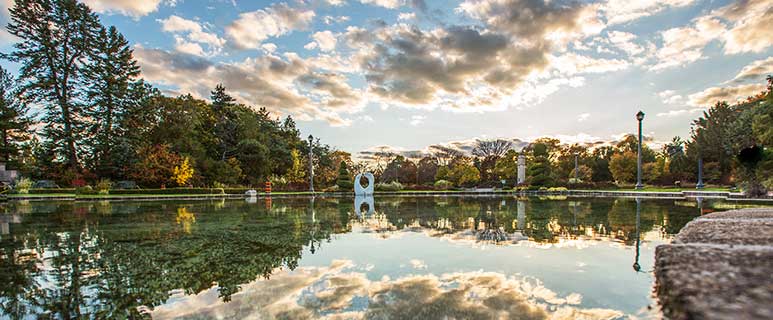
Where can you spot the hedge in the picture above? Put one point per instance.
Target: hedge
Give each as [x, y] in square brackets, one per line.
[169, 191]
[52, 190]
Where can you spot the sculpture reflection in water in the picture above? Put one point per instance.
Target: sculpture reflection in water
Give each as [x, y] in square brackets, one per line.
[359, 201]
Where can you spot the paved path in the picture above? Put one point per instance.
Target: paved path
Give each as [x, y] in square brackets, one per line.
[720, 266]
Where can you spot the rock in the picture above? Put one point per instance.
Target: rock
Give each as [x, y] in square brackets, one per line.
[719, 267]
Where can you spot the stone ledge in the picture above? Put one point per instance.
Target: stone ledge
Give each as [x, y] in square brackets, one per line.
[719, 267]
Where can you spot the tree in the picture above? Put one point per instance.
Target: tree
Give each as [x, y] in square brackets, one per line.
[506, 167]
[156, 165]
[600, 163]
[54, 40]
[427, 169]
[711, 138]
[344, 181]
[183, 172]
[14, 121]
[465, 174]
[623, 167]
[226, 125]
[540, 170]
[108, 80]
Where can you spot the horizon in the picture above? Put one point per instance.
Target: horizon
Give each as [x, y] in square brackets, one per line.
[452, 74]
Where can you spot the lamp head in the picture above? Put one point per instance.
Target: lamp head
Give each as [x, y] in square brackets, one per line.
[640, 116]
[311, 138]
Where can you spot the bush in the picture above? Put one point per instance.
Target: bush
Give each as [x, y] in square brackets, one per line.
[557, 189]
[53, 191]
[443, 185]
[23, 186]
[86, 189]
[392, 186]
[173, 191]
[41, 184]
[125, 184]
[103, 186]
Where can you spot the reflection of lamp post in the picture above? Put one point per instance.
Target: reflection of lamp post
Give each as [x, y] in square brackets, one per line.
[636, 266]
[639, 186]
[311, 163]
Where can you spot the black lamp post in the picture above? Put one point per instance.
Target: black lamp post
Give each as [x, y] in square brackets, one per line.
[639, 185]
[311, 163]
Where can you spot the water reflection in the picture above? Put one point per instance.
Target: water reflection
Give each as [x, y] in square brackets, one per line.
[125, 260]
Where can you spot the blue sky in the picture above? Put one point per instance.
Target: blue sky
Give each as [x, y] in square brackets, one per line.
[407, 74]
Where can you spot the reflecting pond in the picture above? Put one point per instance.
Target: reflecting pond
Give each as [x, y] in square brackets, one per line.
[300, 258]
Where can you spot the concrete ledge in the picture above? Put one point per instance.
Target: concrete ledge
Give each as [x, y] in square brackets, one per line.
[719, 267]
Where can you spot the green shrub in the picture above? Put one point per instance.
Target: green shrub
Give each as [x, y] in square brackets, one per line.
[103, 186]
[443, 185]
[171, 191]
[23, 186]
[87, 189]
[392, 186]
[557, 189]
[53, 191]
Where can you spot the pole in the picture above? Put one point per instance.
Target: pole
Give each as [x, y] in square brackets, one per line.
[639, 185]
[700, 173]
[311, 163]
[636, 266]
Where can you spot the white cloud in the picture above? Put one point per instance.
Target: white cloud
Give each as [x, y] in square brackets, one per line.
[325, 40]
[755, 71]
[390, 4]
[583, 117]
[713, 95]
[678, 113]
[405, 16]
[670, 97]
[284, 85]
[417, 120]
[195, 35]
[685, 45]
[622, 11]
[328, 20]
[624, 42]
[751, 30]
[251, 28]
[133, 8]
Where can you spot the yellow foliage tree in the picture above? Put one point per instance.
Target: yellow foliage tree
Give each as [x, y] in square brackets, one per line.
[183, 173]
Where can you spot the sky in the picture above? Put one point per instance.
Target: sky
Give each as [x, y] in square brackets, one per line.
[403, 75]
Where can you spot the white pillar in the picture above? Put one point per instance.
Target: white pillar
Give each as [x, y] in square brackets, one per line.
[521, 169]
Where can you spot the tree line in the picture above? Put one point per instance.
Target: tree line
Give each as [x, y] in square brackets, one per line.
[79, 111]
[730, 140]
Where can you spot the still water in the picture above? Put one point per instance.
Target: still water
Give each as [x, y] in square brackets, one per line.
[304, 258]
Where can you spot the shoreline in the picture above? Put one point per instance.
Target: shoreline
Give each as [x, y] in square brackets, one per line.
[676, 195]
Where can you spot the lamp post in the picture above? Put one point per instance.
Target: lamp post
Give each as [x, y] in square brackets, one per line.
[576, 168]
[311, 163]
[700, 173]
[639, 186]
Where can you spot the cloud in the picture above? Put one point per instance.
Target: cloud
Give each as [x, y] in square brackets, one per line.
[284, 85]
[677, 113]
[251, 28]
[194, 36]
[755, 71]
[685, 45]
[670, 97]
[332, 293]
[418, 264]
[752, 21]
[133, 8]
[417, 120]
[713, 95]
[389, 4]
[324, 40]
[328, 20]
[624, 42]
[583, 117]
[405, 16]
[622, 11]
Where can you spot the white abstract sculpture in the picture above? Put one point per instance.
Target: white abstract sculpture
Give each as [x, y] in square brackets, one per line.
[358, 189]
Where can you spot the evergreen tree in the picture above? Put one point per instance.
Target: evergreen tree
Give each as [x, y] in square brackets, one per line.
[14, 122]
[108, 79]
[540, 173]
[226, 125]
[54, 41]
[344, 180]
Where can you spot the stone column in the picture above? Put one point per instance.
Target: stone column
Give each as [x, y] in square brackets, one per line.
[521, 169]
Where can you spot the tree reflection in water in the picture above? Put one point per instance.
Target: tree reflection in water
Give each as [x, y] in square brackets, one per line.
[113, 260]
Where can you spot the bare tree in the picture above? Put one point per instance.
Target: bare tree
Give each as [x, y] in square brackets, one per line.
[491, 148]
[444, 155]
